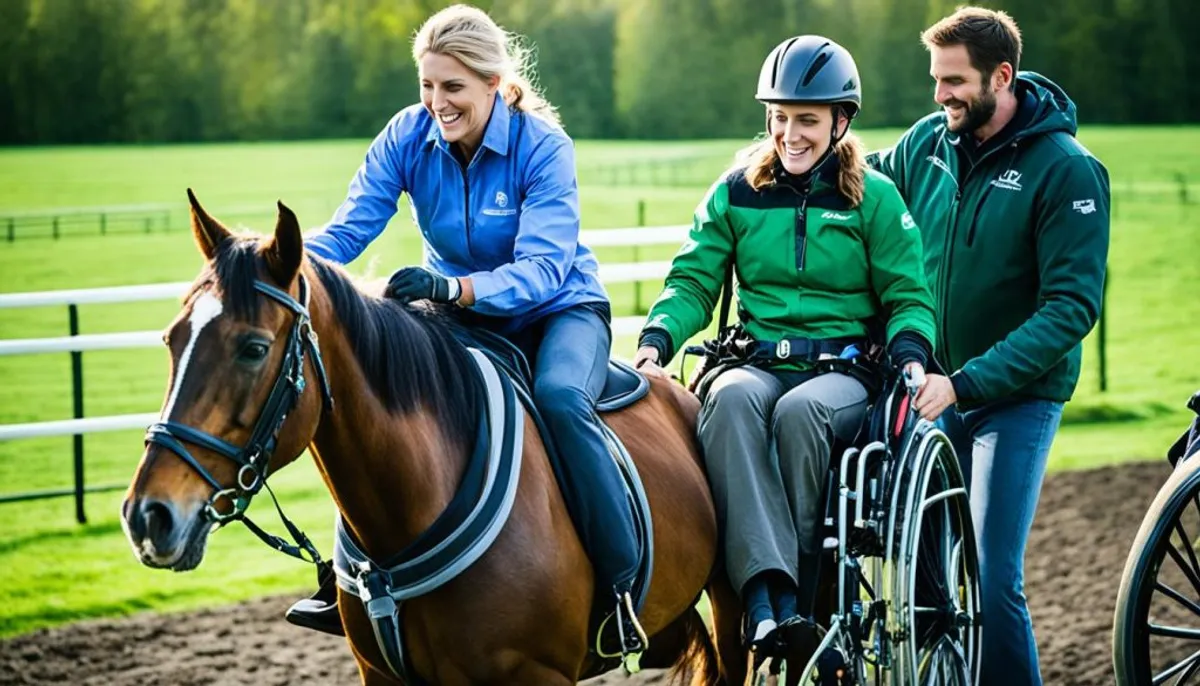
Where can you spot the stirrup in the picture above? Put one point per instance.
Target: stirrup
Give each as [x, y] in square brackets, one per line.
[633, 636]
[630, 634]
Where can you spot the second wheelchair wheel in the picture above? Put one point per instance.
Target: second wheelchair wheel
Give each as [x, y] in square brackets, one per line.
[935, 620]
[1156, 630]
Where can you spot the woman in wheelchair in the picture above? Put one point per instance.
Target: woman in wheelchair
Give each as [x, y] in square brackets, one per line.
[822, 248]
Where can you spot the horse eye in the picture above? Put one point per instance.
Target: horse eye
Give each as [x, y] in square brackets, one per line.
[253, 352]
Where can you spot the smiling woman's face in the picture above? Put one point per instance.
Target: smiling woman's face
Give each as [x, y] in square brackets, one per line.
[459, 100]
[801, 133]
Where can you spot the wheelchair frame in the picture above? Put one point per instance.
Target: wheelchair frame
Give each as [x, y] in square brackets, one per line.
[888, 498]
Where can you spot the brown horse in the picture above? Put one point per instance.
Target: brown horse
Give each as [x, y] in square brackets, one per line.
[389, 421]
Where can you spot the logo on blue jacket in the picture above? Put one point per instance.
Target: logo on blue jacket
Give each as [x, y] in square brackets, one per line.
[501, 209]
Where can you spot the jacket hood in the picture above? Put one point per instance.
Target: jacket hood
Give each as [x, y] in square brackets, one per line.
[1055, 111]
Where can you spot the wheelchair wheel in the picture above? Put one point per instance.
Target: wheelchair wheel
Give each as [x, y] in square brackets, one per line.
[1156, 627]
[935, 623]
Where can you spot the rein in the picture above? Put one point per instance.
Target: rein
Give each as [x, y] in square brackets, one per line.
[254, 457]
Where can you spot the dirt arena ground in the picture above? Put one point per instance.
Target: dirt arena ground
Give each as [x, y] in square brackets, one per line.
[1082, 534]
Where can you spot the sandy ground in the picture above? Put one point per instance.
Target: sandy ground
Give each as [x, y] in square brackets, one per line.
[1081, 536]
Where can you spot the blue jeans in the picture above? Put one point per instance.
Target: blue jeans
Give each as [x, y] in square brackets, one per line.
[1003, 449]
[569, 370]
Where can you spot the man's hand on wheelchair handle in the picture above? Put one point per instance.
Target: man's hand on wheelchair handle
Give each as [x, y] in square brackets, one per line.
[935, 397]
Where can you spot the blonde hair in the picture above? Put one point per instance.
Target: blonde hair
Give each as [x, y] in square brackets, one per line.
[760, 160]
[469, 35]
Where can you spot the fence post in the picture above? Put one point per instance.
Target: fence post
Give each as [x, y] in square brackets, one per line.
[77, 392]
[103, 224]
[12, 230]
[146, 224]
[54, 230]
[166, 220]
[1103, 332]
[1183, 188]
[637, 257]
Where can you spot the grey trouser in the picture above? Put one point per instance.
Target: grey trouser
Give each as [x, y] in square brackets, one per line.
[767, 444]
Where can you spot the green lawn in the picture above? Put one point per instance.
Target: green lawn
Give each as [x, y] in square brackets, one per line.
[52, 570]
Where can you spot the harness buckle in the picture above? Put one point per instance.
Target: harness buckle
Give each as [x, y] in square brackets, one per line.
[216, 515]
[255, 481]
[783, 349]
[375, 592]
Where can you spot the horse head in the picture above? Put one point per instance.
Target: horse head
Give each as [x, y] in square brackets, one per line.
[237, 406]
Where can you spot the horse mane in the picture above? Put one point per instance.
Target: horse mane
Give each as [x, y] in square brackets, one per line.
[408, 354]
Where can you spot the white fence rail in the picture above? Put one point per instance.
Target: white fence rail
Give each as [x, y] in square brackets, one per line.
[609, 274]
[76, 344]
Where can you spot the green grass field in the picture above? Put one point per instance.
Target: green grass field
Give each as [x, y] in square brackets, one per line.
[53, 570]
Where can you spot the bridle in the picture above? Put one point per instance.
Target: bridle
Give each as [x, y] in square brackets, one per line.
[254, 457]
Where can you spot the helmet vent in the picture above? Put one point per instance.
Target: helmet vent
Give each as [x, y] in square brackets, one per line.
[779, 61]
[816, 67]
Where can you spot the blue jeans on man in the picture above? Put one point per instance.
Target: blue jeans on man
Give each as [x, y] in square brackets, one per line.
[1003, 448]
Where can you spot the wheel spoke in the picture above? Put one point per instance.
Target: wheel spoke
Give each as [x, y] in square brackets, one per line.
[942, 663]
[1175, 632]
[1188, 571]
[1191, 672]
[1177, 597]
[1187, 544]
[1189, 662]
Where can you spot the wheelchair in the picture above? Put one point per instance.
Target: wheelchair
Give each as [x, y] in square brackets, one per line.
[904, 607]
[1156, 623]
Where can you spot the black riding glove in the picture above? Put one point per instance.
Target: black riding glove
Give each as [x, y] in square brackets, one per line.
[417, 283]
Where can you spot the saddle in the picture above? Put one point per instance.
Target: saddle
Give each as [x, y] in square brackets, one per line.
[623, 387]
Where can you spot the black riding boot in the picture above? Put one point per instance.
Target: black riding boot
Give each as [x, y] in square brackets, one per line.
[320, 611]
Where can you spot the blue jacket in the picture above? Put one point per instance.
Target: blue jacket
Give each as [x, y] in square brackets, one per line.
[510, 221]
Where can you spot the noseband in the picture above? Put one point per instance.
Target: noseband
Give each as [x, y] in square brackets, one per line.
[254, 457]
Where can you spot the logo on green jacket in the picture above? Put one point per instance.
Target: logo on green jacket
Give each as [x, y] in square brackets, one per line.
[1009, 180]
[907, 222]
[835, 215]
[1084, 206]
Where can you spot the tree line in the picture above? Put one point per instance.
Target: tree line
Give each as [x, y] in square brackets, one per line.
[148, 71]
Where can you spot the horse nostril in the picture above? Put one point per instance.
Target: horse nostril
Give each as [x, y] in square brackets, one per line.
[158, 523]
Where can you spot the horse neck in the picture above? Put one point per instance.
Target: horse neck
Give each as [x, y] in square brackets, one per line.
[391, 474]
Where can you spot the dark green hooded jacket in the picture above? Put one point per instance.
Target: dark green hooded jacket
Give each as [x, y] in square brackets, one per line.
[1015, 233]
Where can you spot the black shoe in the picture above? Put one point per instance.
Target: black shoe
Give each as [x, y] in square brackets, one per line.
[832, 668]
[320, 611]
[799, 638]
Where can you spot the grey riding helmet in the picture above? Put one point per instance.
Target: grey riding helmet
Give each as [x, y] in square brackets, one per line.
[811, 69]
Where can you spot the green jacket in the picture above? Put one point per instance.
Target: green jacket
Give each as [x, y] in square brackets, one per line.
[1016, 236]
[807, 264]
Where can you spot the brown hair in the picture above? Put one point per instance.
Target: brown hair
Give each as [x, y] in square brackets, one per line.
[990, 36]
[760, 159]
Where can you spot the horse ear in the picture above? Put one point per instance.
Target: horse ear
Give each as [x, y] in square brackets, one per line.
[207, 231]
[285, 250]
